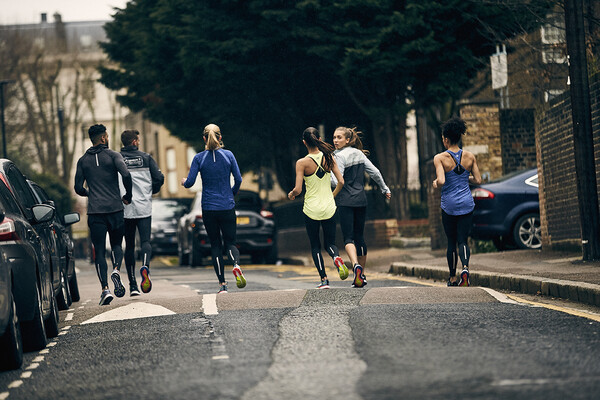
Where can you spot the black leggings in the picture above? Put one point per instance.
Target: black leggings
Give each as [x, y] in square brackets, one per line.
[144, 226]
[457, 228]
[221, 226]
[312, 228]
[352, 222]
[99, 225]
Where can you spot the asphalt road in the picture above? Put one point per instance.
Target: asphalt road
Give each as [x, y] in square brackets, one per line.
[281, 338]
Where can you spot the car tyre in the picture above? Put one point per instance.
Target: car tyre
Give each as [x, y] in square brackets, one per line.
[74, 287]
[51, 322]
[63, 298]
[11, 343]
[527, 232]
[34, 331]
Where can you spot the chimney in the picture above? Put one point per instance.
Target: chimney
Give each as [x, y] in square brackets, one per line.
[44, 18]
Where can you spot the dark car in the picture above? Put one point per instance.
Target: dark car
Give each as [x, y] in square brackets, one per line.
[256, 234]
[28, 279]
[17, 183]
[11, 341]
[64, 242]
[165, 214]
[507, 211]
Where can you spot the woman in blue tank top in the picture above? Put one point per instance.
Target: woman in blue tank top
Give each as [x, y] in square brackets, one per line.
[454, 169]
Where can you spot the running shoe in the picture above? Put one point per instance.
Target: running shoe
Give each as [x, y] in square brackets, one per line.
[119, 288]
[464, 278]
[324, 284]
[146, 283]
[223, 288]
[239, 277]
[449, 282]
[105, 297]
[133, 290]
[359, 277]
[341, 267]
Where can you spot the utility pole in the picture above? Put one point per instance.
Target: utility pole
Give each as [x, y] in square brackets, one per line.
[582, 131]
[2, 84]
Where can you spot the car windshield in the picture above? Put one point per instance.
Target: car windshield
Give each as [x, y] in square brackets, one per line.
[513, 174]
[166, 209]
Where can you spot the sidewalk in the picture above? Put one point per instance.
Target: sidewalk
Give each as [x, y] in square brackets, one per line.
[533, 272]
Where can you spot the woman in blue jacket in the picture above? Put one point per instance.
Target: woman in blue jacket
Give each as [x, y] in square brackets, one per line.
[216, 165]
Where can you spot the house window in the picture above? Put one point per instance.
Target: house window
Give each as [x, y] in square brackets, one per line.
[172, 184]
[550, 94]
[553, 31]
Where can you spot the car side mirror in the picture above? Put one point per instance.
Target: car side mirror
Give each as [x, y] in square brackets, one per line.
[71, 218]
[42, 213]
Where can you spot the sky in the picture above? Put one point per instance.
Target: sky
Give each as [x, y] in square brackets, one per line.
[29, 11]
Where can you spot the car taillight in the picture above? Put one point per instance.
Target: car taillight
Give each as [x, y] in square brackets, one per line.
[482, 194]
[266, 214]
[197, 220]
[7, 230]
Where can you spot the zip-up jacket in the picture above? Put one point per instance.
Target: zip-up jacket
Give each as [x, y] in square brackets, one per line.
[146, 179]
[216, 168]
[100, 167]
[353, 164]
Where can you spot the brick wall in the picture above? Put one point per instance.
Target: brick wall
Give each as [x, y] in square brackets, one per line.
[517, 128]
[559, 208]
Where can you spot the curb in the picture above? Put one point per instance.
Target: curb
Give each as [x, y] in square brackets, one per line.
[580, 292]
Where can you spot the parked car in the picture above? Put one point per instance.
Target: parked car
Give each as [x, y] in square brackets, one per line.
[64, 242]
[28, 278]
[17, 183]
[256, 233]
[507, 211]
[11, 342]
[165, 214]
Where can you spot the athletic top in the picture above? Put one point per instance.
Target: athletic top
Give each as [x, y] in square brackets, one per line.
[456, 194]
[146, 178]
[353, 164]
[318, 200]
[216, 168]
[99, 167]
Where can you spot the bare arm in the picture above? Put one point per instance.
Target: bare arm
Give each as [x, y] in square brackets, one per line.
[340, 178]
[475, 174]
[440, 174]
[299, 179]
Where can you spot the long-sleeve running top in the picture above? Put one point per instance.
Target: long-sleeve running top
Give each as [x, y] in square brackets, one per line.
[99, 167]
[215, 168]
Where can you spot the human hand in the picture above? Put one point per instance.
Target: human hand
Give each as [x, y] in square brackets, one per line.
[388, 195]
[435, 184]
[183, 181]
[291, 195]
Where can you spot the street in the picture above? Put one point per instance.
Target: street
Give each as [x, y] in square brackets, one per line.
[397, 338]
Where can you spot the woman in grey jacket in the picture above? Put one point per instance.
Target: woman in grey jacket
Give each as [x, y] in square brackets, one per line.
[352, 201]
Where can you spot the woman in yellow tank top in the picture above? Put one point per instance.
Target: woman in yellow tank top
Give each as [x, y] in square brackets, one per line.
[319, 205]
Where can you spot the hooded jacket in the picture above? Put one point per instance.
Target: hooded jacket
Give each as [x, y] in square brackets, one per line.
[147, 180]
[100, 167]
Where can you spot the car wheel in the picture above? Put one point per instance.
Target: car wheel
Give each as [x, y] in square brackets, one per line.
[183, 258]
[34, 331]
[51, 323]
[527, 232]
[257, 258]
[74, 287]
[11, 343]
[63, 298]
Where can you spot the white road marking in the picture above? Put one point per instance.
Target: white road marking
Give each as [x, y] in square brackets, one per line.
[15, 384]
[33, 366]
[69, 317]
[51, 344]
[26, 374]
[185, 286]
[44, 351]
[66, 328]
[4, 395]
[502, 298]
[80, 307]
[209, 304]
[221, 357]
[38, 359]
[518, 382]
[130, 311]
[61, 333]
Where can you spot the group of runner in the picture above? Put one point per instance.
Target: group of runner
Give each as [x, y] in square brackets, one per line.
[341, 166]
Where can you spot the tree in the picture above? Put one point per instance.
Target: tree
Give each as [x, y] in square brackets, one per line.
[266, 69]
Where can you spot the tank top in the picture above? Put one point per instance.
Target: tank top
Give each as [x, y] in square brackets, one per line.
[456, 194]
[318, 200]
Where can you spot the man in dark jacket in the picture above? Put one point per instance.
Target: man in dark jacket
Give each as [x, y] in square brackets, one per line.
[147, 180]
[100, 167]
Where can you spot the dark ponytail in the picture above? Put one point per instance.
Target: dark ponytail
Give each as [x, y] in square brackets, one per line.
[312, 139]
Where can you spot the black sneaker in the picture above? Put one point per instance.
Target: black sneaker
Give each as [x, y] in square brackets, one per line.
[119, 288]
[105, 297]
[133, 290]
[223, 288]
[449, 282]
[324, 284]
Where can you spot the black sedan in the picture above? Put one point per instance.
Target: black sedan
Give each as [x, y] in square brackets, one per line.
[165, 214]
[26, 284]
[507, 211]
[256, 233]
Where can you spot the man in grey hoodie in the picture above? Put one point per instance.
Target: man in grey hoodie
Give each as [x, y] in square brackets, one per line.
[147, 180]
[99, 167]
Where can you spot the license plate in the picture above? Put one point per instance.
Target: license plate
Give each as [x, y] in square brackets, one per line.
[243, 220]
